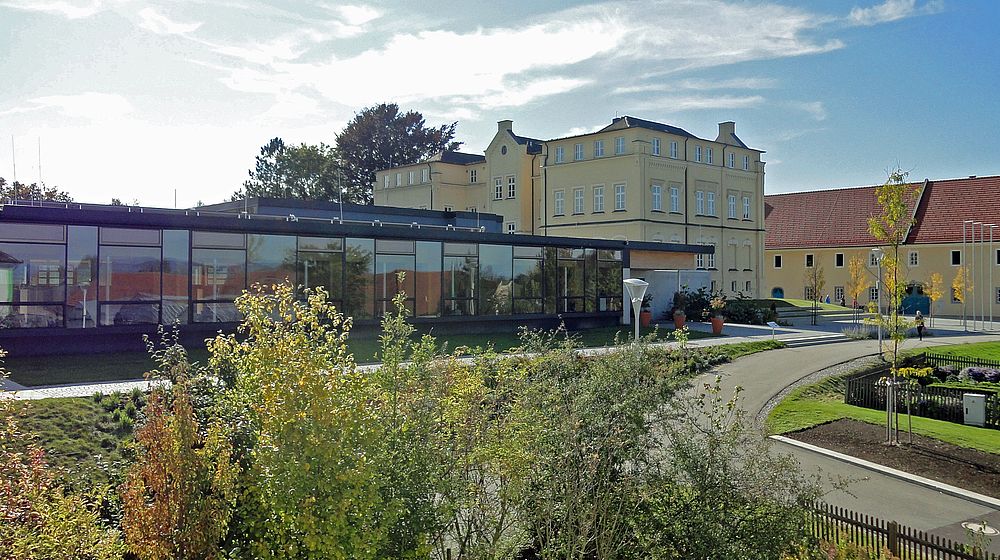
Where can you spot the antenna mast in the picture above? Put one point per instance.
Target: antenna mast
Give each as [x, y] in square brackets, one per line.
[40, 161]
[13, 157]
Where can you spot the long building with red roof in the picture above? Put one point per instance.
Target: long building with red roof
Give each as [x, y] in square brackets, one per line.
[825, 229]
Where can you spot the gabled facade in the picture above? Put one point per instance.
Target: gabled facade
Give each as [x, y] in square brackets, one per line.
[635, 180]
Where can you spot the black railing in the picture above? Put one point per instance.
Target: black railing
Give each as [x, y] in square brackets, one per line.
[938, 360]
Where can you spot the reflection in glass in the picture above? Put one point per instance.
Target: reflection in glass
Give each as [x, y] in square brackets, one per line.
[590, 280]
[460, 285]
[217, 274]
[129, 236]
[427, 280]
[130, 314]
[30, 316]
[335, 244]
[323, 270]
[81, 276]
[609, 286]
[359, 288]
[495, 274]
[551, 288]
[32, 232]
[270, 259]
[527, 285]
[31, 272]
[571, 290]
[129, 273]
[387, 282]
[215, 239]
[218, 312]
[175, 276]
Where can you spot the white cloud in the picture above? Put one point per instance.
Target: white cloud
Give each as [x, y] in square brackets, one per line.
[65, 8]
[356, 15]
[692, 103]
[91, 105]
[154, 21]
[814, 108]
[699, 84]
[892, 10]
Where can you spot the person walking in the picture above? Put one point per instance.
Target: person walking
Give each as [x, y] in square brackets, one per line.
[919, 319]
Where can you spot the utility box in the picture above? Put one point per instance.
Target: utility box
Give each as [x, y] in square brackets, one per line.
[975, 409]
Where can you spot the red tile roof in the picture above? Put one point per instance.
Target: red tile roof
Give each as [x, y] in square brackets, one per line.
[947, 203]
[839, 217]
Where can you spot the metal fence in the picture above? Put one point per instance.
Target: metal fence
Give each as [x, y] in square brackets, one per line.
[938, 360]
[838, 525]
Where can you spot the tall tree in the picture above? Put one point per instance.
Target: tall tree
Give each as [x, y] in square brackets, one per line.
[380, 137]
[815, 280]
[857, 283]
[34, 191]
[306, 171]
[935, 289]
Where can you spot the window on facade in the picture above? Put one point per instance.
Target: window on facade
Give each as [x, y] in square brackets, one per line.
[956, 258]
[872, 260]
[673, 149]
[809, 260]
[578, 200]
[473, 177]
[511, 187]
[497, 188]
[511, 227]
[809, 293]
[270, 259]
[571, 282]
[708, 154]
[619, 197]
[998, 295]
[838, 260]
[914, 258]
[873, 294]
[710, 203]
[393, 257]
[425, 175]
[746, 207]
[460, 274]
[777, 261]
[699, 203]
[527, 279]
[578, 152]
[675, 199]
[411, 177]
[448, 208]
[732, 160]
[599, 199]
[471, 209]
[427, 279]
[746, 162]
[697, 157]
[710, 258]
[620, 145]
[386, 181]
[748, 285]
[321, 265]
[699, 260]
[598, 148]
[560, 203]
[609, 280]
[399, 179]
[732, 206]
[998, 256]
[560, 154]
[838, 293]
[657, 191]
[495, 275]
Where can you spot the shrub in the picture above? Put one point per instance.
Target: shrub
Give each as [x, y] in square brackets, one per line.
[976, 374]
[857, 332]
[744, 310]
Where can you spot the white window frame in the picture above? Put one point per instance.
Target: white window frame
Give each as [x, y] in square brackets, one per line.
[387, 181]
[578, 151]
[498, 188]
[560, 154]
[809, 257]
[842, 258]
[657, 197]
[732, 160]
[560, 203]
[708, 154]
[776, 263]
[399, 178]
[510, 227]
[913, 259]
[872, 260]
[746, 208]
[620, 197]
[619, 145]
[473, 176]
[746, 163]
[749, 286]
[511, 186]
[710, 258]
[599, 198]
[598, 148]
[471, 209]
[425, 175]
[838, 293]
[998, 295]
[675, 199]
[699, 260]
[411, 177]
[710, 203]
[656, 146]
[697, 153]
[699, 203]
[449, 208]
[809, 293]
[673, 149]
[731, 199]
[578, 200]
[732, 286]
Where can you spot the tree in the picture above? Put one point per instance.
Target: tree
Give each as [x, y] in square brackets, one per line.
[21, 191]
[815, 280]
[307, 172]
[381, 137]
[857, 283]
[935, 289]
[890, 227]
[961, 284]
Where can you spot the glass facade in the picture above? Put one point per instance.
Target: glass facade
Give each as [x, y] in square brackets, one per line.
[88, 276]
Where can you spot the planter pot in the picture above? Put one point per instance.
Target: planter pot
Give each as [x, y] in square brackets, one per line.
[717, 323]
[679, 320]
[645, 318]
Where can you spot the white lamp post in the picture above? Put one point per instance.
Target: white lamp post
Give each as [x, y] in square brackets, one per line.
[965, 279]
[636, 290]
[877, 251]
[991, 262]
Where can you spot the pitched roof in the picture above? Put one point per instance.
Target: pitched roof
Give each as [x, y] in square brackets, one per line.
[628, 122]
[839, 217]
[459, 158]
[947, 203]
[534, 144]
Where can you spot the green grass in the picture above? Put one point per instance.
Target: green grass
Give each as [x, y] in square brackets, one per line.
[802, 304]
[740, 349]
[981, 350]
[823, 402]
[57, 370]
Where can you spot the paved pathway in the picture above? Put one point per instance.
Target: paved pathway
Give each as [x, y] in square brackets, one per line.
[764, 375]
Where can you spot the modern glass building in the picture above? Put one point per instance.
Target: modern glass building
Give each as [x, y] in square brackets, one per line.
[95, 278]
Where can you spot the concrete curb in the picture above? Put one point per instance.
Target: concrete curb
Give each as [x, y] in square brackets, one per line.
[904, 476]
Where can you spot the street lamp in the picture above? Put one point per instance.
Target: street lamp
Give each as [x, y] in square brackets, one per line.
[990, 261]
[965, 280]
[636, 290]
[878, 253]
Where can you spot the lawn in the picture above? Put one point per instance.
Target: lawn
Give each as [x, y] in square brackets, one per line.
[800, 303]
[824, 402]
[56, 370]
[981, 350]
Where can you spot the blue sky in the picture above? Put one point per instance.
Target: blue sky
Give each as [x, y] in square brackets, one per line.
[133, 99]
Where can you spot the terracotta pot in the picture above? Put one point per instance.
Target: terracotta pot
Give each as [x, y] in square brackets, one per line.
[645, 318]
[717, 323]
[679, 320]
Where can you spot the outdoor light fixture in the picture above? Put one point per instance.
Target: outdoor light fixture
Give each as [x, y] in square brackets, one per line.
[877, 251]
[636, 290]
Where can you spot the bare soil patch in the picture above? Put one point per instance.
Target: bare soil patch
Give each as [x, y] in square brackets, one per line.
[970, 469]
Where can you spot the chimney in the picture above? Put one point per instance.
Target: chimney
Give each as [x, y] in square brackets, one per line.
[504, 125]
[726, 131]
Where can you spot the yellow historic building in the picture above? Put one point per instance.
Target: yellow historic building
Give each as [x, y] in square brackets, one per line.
[631, 180]
[825, 229]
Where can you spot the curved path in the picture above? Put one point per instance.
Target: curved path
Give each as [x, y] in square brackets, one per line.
[764, 375]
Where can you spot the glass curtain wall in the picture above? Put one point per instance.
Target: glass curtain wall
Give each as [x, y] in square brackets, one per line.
[395, 272]
[527, 282]
[218, 275]
[129, 276]
[496, 279]
[359, 271]
[460, 276]
[32, 275]
[609, 280]
[176, 264]
[428, 278]
[81, 277]
[321, 265]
